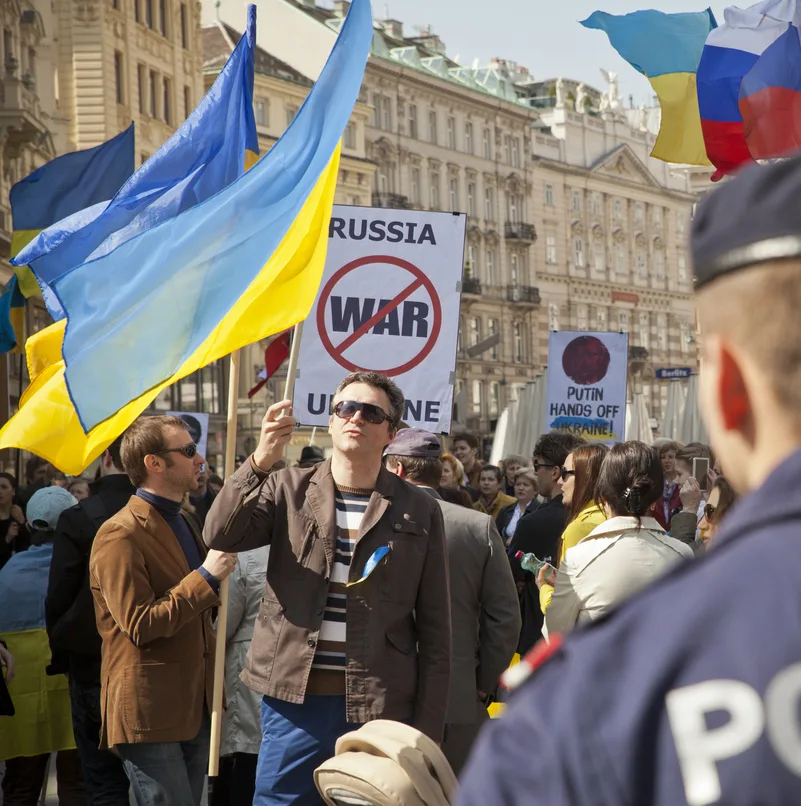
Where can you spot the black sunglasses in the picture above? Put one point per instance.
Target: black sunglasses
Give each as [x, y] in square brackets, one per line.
[346, 409]
[565, 473]
[538, 465]
[189, 451]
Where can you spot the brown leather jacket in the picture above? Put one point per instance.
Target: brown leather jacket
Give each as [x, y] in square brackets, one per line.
[154, 617]
[398, 619]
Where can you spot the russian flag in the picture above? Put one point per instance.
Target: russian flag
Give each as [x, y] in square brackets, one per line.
[731, 52]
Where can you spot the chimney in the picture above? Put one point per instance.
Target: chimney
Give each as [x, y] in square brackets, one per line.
[341, 7]
[393, 28]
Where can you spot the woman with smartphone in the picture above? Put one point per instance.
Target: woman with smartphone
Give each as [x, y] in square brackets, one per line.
[623, 554]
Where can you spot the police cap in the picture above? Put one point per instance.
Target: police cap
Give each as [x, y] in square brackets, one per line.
[754, 218]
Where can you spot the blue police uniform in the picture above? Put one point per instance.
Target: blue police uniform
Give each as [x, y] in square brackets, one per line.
[689, 693]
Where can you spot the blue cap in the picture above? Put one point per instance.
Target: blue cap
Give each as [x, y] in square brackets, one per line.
[46, 505]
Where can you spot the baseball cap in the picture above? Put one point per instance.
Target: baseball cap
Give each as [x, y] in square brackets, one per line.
[415, 442]
[46, 505]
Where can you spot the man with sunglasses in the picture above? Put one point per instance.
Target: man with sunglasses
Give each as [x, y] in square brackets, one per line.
[154, 586]
[355, 620]
[539, 531]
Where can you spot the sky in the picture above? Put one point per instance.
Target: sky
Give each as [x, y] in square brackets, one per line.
[543, 36]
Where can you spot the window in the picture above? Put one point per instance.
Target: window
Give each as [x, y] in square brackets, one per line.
[517, 332]
[453, 193]
[686, 338]
[623, 321]
[578, 253]
[549, 195]
[118, 77]
[137, 10]
[149, 19]
[582, 317]
[471, 198]
[489, 204]
[490, 265]
[349, 137]
[618, 207]
[661, 332]
[153, 94]
[386, 113]
[492, 330]
[576, 201]
[599, 257]
[659, 266]
[474, 330]
[478, 388]
[550, 249]
[656, 217]
[487, 144]
[413, 121]
[600, 320]
[451, 131]
[472, 261]
[512, 208]
[261, 115]
[167, 87]
[415, 185]
[163, 17]
[514, 261]
[621, 268]
[642, 267]
[291, 112]
[507, 149]
[645, 325]
[553, 317]
[432, 126]
[638, 218]
[680, 223]
[494, 398]
[32, 62]
[184, 28]
[596, 204]
[468, 138]
[682, 261]
[187, 101]
[434, 196]
[515, 152]
[141, 84]
[383, 179]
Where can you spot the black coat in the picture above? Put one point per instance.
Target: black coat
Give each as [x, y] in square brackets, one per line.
[537, 532]
[69, 607]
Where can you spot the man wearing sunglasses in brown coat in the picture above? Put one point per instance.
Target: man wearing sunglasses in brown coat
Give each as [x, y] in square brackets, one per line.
[355, 620]
[154, 586]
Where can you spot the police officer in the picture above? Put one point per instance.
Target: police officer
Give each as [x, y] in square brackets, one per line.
[691, 691]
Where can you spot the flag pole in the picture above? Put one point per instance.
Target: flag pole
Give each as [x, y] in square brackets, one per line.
[222, 613]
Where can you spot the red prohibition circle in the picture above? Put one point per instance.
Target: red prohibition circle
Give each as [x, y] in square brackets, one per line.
[335, 353]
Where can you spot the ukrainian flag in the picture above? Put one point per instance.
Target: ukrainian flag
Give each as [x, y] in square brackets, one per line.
[238, 267]
[667, 49]
[64, 186]
[12, 318]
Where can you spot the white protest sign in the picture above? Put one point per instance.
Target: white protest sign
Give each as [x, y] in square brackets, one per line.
[388, 302]
[197, 423]
[587, 374]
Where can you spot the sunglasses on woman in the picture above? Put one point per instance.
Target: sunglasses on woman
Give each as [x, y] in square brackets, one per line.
[346, 409]
[566, 473]
[188, 451]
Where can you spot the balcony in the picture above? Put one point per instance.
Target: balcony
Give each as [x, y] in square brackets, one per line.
[471, 286]
[523, 294]
[392, 201]
[526, 233]
[20, 115]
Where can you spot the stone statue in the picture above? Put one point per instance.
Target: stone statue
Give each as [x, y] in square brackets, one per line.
[560, 93]
[613, 95]
[581, 98]
[643, 118]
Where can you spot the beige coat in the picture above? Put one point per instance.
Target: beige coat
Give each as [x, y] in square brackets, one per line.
[615, 560]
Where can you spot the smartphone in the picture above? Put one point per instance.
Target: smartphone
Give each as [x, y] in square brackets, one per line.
[701, 472]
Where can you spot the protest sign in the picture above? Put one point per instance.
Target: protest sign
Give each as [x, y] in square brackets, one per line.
[197, 424]
[388, 302]
[587, 375]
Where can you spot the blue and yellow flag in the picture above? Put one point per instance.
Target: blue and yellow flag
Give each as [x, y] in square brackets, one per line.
[12, 318]
[209, 150]
[240, 266]
[63, 187]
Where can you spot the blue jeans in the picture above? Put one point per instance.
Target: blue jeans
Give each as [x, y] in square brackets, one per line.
[295, 740]
[103, 773]
[168, 773]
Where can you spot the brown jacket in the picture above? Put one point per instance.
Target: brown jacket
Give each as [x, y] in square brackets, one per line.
[154, 617]
[398, 619]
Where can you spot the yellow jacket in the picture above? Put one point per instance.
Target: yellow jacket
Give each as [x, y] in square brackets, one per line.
[501, 501]
[589, 517]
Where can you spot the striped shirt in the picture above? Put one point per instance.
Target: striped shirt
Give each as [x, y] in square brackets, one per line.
[328, 668]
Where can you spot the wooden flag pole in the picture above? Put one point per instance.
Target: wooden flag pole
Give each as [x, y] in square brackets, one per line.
[222, 613]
